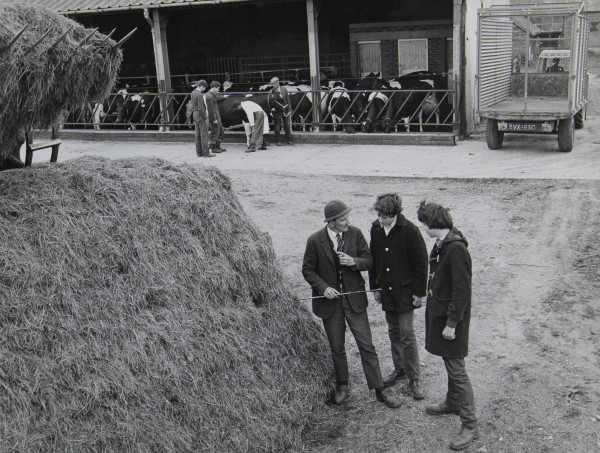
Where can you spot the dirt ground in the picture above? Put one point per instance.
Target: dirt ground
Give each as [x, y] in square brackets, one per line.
[535, 342]
[535, 335]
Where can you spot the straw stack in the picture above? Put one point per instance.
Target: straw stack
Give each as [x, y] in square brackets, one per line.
[142, 310]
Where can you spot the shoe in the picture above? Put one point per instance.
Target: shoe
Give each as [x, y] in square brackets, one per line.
[393, 377]
[216, 150]
[222, 150]
[263, 148]
[464, 438]
[417, 389]
[340, 394]
[279, 144]
[387, 396]
[209, 155]
[441, 409]
[289, 142]
[251, 150]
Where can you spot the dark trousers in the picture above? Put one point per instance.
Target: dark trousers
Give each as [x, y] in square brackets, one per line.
[217, 133]
[335, 328]
[405, 353]
[278, 117]
[460, 392]
[201, 136]
[256, 135]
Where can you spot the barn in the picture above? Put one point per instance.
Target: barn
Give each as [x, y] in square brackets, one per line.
[301, 41]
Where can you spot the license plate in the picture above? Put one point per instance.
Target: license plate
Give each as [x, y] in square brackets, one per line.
[519, 127]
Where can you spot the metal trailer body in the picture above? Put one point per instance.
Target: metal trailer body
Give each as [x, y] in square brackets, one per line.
[518, 90]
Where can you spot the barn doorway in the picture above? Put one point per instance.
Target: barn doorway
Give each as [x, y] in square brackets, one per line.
[412, 55]
[369, 57]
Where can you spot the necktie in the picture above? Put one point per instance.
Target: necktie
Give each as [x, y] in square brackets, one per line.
[340, 242]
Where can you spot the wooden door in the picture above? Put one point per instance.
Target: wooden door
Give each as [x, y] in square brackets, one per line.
[369, 57]
[412, 55]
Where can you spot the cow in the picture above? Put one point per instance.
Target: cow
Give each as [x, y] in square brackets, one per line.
[98, 114]
[372, 103]
[416, 102]
[342, 107]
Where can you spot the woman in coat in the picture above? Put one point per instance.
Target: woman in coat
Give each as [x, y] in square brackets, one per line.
[447, 317]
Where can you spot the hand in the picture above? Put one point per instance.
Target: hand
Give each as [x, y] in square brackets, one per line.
[377, 295]
[331, 293]
[418, 301]
[346, 260]
[449, 333]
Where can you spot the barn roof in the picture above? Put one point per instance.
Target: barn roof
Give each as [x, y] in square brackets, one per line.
[97, 6]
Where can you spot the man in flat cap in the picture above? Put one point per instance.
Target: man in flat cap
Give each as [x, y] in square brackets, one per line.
[333, 261]
[200, 118]
[281, 110]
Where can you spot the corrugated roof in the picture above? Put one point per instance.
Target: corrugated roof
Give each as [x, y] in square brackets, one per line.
[94, 6]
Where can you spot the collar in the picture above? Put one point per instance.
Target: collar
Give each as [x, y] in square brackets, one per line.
[392, 225]
[332, 236]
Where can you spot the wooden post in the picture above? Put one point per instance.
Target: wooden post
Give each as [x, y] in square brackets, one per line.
[459, 63]
[158, 23]
[312, 14]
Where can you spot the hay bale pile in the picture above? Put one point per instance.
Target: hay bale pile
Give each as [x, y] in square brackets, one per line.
[38, 82]
[141, 310]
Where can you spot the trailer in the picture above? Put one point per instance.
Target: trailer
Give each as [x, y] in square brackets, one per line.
[531, 70]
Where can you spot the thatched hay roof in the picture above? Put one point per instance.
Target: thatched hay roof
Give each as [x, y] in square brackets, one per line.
[142, 310]
[43, 74]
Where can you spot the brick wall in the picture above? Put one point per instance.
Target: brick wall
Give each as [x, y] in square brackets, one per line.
[388, 33]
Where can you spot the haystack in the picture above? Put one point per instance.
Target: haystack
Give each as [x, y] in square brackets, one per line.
[141, 310]
[54, 64]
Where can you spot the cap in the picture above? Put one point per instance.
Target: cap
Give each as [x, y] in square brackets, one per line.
[274, 80]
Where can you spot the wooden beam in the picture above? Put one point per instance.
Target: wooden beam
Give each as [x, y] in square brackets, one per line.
[158, 23]
[312, 13]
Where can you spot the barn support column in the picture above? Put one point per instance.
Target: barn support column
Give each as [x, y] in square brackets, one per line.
[158, 24]
[459, 63]
[312, 15]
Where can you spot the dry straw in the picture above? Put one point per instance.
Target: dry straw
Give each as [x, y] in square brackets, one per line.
[48, 68]
[143, 311]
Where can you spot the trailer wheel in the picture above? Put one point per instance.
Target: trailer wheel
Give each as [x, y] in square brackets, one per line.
[493, 136]
[579, 120]
[566, 135]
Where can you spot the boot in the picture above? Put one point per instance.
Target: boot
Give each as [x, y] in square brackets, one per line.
[221, 150]
[387, 396]
[340, 394]
[464, 438]
[417, 389]
[393, 377]
[441, 409]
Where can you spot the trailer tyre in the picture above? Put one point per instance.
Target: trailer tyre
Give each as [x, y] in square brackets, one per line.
[579, 120]
[493, 136]
[566, 135]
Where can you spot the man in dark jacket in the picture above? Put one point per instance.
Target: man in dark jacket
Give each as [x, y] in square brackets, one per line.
[217, 133]
[281, 109]
[448, 315]
[400, 271]
[200, 119]
[333, 261]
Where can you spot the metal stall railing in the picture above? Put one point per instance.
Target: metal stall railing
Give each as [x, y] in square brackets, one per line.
[368, 110]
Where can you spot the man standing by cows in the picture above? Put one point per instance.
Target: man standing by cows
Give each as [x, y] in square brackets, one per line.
[217, 133]
[279, 103]
[333, 261]
[259, 124]
[200, 119]
[400, 270]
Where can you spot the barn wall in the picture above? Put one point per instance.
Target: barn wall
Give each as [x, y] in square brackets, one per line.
[436, 33]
